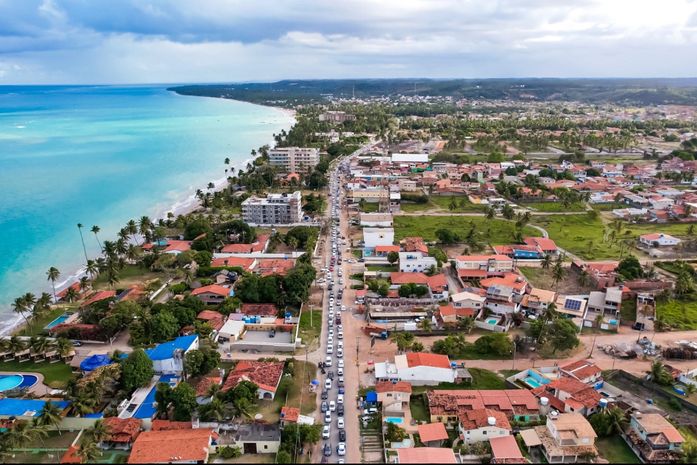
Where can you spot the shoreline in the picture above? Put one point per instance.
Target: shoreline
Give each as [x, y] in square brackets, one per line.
[186, 204]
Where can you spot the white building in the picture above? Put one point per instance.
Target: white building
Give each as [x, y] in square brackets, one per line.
[416, 262]
[659, 240]
[274, 209]
[480, 425]
[168, 357]
[373, 237]
[419, 369]
[231, 331]
[409, 158]
[468, 300]
[380, 220]
[294, 159]
[482, 266]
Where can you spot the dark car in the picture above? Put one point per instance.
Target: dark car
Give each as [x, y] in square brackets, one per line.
[330, 375]
[272, 333]
[324, 407]
[325, 394]
[342, 435]
[340, 410]
[327, 450]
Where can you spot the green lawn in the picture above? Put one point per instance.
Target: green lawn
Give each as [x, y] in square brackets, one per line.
[584, 235]
[419, 408]
[615, 450]
[56, 375]
[463, 203]
[485, 379]
[678, 314]
[37, 325]
[129, 275]
[369, 207]
[493, 231]
[553, 206]
[606, 207]
[310, 332]
[628, 310]
[304, 373]
[386, 268]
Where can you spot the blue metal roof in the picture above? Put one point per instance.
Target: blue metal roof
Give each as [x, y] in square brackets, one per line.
[26, 407]
[166, 350]
[371, 396]
[95, 361]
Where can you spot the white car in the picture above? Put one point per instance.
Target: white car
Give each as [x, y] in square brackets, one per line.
[340, 335]
[330, 340]
[341, 449]
[328, 361]
[340, 422]
[330, 349]
[331, 332]
[339, 352]
[326, 432]
[328, 384]
[343, 308]
[328, 417]
[339, 400]
[340, 371]
[332, 406]
[340, 363]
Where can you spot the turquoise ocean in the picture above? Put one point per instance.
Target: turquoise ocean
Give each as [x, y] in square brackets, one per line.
[101, 155]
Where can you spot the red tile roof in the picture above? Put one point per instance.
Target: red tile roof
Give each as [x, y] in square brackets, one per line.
[207, 315]
[266, 375]
[204, 384]
[472, 273]
[71, 456]
[386, 248]
[98, 296]
[213, 289]
[122, 430]
[426, 455]
[230, 262]
[456, 402]
[259, 309]
[172, 446]
[166, 425]
[178, 246]
[414, 244]
[290, 414]
[432, 432]
[398, 277]
[505, 450]
[415, 359]
[389, 386]
[449, 310]
[479, 418]
[271, 266]
[547, 245]
[576, 392]
[581, 369]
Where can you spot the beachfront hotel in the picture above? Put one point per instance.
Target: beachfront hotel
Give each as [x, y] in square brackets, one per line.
[274, 209]
[294, 159]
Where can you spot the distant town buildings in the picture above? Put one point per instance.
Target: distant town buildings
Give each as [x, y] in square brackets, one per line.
[274, 209]
[294, 159]
[336, 116]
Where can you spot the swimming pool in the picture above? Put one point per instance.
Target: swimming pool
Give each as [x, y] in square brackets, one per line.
[61, 319]
[9, 382]
[492, 321]
[395, 420]
[532, 382]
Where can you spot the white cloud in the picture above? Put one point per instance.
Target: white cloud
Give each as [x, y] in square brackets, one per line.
[216, 40]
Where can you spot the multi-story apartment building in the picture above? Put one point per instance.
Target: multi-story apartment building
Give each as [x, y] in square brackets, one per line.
[274, 209]
[294, 159]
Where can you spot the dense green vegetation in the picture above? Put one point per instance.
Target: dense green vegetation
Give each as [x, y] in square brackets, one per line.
[492, 231]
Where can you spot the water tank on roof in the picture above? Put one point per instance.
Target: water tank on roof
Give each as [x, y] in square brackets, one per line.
[544, 401]
[603, 403]
[491, 421]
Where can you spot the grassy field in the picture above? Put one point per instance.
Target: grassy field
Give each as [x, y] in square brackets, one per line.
[56, 375]
[678, 314]
[128, 276]
[385, 268]
[553, 206]
[442, 203]
[494, 231]
[37, 325]
[369, 207]
[303, 374]
[309, 333]
[583, 234]
[615, 450]
[419, 408]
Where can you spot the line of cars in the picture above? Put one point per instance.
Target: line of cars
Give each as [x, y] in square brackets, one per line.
[332, 405]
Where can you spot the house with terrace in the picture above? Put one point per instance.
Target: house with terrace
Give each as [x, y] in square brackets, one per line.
[653, 438]
[168, 357]
[570, 395]
[394, 396]
[121, 432]
[537, 301]
[416, 262]
[476, 267]
[266, 375]
[173, 446]
[583, 370]
[567, 438]
[212, 294]
[603, 308]
[480, 425]
[417, 368]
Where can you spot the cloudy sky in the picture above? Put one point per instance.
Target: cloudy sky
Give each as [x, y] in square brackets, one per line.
[143, 41]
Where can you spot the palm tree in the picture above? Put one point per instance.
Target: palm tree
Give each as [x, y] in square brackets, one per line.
[23, 433]
[546, 262]
[95, 230]
[44, 302]
[89, 451]
[82, 239]
[20, 306]
[144, 225]
[132, 229]
[71, 294]
[98, 432]
[84, 283]
[53, 274]
[39, 345]
[17, 345]
[64, 347]
[50, 417]
[425, 325]
[92, 269]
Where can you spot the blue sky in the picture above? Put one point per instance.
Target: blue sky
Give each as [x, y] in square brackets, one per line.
[141, 41]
